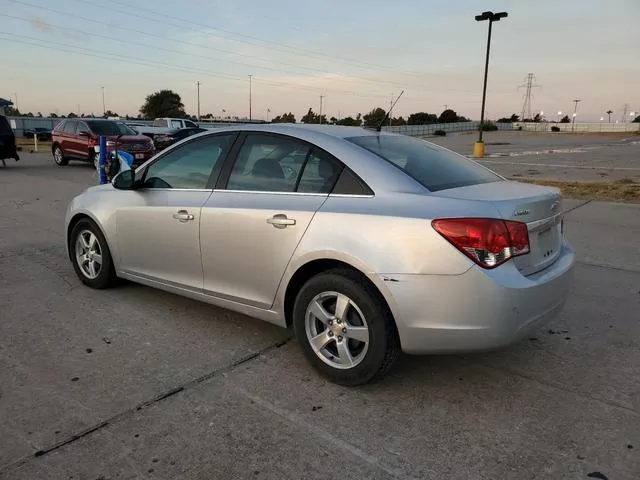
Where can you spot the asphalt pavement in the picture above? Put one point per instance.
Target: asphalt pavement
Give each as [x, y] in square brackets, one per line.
[137, 383]
[557, 156]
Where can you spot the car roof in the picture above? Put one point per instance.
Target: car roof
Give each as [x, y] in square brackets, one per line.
[336, 131]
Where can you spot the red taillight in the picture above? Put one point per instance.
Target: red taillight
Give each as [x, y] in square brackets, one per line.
[92, 142]
[488, 242]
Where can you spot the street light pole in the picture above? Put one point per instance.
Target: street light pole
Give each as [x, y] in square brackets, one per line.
[198, 85]
[250, 97]
[575, 114]
[478, 148]
[104, 110]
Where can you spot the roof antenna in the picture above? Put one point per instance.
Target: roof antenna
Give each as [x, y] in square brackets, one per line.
[386, 115]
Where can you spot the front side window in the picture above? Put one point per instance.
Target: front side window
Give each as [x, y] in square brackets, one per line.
[434, 167]
[188, 166]
[189, 124]
[69, 127]
[268, 163]
[82, 128]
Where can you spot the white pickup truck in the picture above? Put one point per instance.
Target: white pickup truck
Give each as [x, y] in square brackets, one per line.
[163, 126]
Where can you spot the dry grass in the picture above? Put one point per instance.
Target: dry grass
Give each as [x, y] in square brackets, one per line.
[28, 142]
[623, 190]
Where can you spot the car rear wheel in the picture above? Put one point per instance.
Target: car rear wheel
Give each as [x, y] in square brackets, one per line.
[345, 328]
[58, 156]
[90, 255]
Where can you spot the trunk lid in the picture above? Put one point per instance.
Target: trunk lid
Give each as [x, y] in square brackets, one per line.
[539, 207]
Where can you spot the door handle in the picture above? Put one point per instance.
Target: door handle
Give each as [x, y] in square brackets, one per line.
[281, 221]
[183, 216]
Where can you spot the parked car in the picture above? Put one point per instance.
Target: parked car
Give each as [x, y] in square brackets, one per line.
[43, 134]
[8, 147]
[163, 141]
[164, 126]
[371, 245]
[77, 139]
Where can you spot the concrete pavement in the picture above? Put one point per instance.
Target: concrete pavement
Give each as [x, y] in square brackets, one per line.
[136, 383]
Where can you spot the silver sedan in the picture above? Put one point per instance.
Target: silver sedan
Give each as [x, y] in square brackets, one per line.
[367, 244]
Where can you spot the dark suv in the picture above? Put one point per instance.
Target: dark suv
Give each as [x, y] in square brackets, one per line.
[7, 141]
[77, 139]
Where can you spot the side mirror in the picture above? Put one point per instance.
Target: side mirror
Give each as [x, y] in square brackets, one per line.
[83, 134]
[125, 180]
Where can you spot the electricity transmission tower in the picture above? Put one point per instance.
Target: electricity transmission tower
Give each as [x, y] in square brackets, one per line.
[625, 109]
[526, 105]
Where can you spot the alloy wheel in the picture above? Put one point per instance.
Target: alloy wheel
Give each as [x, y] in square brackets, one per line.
[88, 254]
[337, 330]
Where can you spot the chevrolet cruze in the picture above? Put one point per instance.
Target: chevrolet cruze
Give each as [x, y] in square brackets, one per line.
[366, 244]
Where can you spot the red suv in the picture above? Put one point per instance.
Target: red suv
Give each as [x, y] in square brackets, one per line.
[76, 139]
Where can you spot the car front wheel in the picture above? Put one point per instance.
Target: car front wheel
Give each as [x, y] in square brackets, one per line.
[90, 255]
[345, 328]
[58, 156]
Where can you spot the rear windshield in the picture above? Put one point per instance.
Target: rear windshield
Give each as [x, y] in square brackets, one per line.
[432, 166]
[110, 128]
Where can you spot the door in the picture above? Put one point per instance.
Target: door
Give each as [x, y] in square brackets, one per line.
[159, 230]
[80, 142]
[68, 134]
[253, 224]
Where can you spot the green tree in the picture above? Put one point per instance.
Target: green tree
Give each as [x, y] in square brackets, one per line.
[72, 115]
[109, 113]
[12, 112]
[312, 117]
[537, 118]
[448, 116]
[422, 118]
[164, 103]
[53, 115]
[350, 121]
[374, 117]
[565, 119]
[513, 118]
[284, 118]
[399, 121]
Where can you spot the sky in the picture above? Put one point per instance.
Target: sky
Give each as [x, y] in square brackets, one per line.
[357, 54]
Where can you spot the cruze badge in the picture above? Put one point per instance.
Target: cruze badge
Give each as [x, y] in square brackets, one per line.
[521, 212]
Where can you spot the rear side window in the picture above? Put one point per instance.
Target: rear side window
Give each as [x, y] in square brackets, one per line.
[432, 166]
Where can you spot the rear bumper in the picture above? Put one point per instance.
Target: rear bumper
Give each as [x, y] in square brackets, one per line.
[479, 309]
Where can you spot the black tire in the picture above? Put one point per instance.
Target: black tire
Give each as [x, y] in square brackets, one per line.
[383, 346]
[106, 276]
[58, 156]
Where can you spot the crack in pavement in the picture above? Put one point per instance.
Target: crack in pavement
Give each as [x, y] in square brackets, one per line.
[569, 210]
[607, 267]
[142, 405]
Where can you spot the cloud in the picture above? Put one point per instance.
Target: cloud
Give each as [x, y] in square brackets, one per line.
[40, 25]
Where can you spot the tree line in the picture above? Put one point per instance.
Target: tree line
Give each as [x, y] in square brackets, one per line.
[167, 103]
[374, 118]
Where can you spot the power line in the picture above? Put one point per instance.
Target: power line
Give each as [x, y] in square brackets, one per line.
[152, 63]
[155, 47]
[255, 41]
